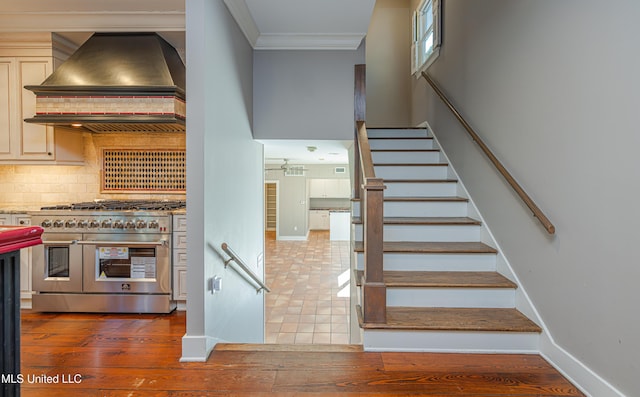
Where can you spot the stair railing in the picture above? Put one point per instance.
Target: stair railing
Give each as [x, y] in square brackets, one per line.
[537, 212]
[370, 190]
[233, 257]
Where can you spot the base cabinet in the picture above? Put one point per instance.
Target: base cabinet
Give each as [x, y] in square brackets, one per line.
[25, 258]
[180, 258]
[319, 220]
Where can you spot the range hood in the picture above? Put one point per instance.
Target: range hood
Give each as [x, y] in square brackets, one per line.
[116, 82]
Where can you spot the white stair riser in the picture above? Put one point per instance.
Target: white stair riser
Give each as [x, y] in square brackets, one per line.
[397, 133]
[425, 208]
[401, 143]
[420, 208]
[411, 172]
[451, 297]
[406, 157]
[434, 262]
[436, 189]
[455, 341]
[426, 232]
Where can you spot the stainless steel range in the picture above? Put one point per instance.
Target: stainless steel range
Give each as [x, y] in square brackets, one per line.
[104, 256]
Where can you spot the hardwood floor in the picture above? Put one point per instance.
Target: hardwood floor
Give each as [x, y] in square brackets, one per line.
[138, 355]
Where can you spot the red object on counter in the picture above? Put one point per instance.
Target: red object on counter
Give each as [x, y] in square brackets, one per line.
[13, 238]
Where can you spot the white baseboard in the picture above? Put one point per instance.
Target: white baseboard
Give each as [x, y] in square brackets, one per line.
[196, 348]
[589, 382]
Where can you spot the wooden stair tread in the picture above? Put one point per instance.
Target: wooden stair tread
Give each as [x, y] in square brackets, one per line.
[255, 347]
[431, 247]
[399, 137]
[455, 319]
[419, 199]
[447, 180]
[405, 150]
[442, 279]
[411, 164]
[425, 221]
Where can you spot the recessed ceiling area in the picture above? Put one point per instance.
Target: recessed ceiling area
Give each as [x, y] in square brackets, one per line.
[306, 151]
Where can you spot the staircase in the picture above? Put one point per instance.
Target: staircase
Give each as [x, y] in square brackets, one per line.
[443, 291]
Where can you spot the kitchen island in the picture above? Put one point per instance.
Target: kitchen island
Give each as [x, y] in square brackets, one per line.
[12, 239]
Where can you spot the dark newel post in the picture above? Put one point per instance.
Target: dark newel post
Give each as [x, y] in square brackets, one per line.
[10, 327]
[359, 109]
[374, 289]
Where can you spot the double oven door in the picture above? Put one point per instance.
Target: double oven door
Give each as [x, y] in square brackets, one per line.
[103, 264]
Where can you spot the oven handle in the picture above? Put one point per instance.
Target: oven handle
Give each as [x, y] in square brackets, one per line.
[65, 242]
[98, 242]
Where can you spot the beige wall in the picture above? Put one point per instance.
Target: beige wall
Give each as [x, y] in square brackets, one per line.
[388, 57]
[31, 186]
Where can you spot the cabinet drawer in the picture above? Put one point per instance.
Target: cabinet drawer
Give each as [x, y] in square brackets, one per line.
[179, 223]
[180, 257]
[22, 220]
[180, 240]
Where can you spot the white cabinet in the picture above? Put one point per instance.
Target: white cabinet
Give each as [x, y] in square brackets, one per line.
[179, 257]
[329, 188]
[25, 257]
[318, 220]
[28, 143]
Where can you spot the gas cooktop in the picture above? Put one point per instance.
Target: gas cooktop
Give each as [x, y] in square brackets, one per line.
[119, 205]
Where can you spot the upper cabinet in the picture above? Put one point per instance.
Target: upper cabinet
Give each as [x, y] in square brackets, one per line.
[329, 188]
[22, 63]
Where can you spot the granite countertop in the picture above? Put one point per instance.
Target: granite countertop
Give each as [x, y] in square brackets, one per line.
[332, 209]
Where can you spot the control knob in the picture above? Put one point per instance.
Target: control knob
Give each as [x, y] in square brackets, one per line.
[153, 224]
[140, 224]
[130, 225]
[58, 223]
[106, 223]
[46, 223]
[118, 224]
[70, 223]
[94, 224]
[82, 223]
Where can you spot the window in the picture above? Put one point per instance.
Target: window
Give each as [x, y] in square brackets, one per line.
[426, 35]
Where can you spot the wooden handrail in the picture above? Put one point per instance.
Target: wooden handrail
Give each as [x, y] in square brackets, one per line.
[366, 160]
[537, 212]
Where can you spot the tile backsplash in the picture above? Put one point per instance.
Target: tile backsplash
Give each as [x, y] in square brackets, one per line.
[31, 186]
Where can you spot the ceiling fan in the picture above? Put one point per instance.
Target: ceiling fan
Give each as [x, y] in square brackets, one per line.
[286, 167]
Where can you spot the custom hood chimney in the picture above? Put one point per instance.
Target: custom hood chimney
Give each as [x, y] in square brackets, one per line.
[116, 82]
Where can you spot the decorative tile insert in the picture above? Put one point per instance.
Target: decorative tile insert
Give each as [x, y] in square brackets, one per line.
[134, 170]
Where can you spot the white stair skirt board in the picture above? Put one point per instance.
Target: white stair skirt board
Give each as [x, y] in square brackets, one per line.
[451, 233]
[376, 144]
[451, 341]
[435, 262]
[451, 297]
[425, 208]
[405, 157]
[411, 172]
[397, 133]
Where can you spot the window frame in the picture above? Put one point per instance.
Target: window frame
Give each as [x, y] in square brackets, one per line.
[420, 35]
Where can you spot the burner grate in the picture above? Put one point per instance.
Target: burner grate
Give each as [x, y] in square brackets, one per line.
[118, 205]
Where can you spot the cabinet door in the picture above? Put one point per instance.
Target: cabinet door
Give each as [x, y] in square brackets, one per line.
[317, 188]
[36, 140]
[7, 110]
[344, 188]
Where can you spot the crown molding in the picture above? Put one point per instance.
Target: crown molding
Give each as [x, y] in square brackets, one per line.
[54, 21]
[317, 41]
[242, 15]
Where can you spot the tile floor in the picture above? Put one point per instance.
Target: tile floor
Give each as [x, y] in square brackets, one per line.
[309, 298]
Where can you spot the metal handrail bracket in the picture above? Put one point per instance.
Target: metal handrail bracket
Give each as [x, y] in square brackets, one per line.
[235, 258]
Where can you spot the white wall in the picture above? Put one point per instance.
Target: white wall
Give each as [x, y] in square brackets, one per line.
[304, 94]
[553, 88]
[224, 181]
[388, 64]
